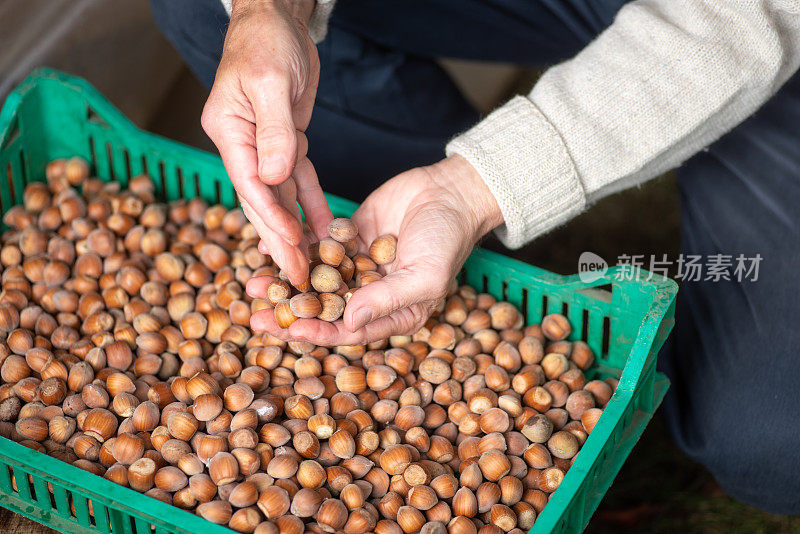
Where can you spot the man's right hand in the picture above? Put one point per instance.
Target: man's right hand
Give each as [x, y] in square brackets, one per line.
[256, 115]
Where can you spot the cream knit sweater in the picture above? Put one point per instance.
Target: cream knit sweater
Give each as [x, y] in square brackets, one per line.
[317, 24]
[667, 78]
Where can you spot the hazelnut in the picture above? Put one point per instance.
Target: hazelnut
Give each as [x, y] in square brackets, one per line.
[277, 291]
[465, 503]
[305, 305]
[60, 428]
[410, 519]
[538, 428]
[395, 459]
[33, 428]
[554, 365]
[223, 468]
[325, 279]
[342, 444]
[342, 230]
[589, 419]
[382, 250]
[305, 503]
[332, 306]
[503, 517]
[100, 424]
[244, 494]
[330, 252]
[550, 479]
[351, 379]
[600, 390]
[218, 512]
[76, 170]
[331, 515]
[282, 466]
[141, 474]
[283, 314]
[214, 257]
[556, 327]
[422, 497]
[206, 407]
[182, 425]
[274, 502]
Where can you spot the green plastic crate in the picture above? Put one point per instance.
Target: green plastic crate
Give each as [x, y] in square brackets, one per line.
[52, 115]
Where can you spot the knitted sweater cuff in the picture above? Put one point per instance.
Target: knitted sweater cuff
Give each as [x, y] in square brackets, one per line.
[526, 166]
[317, 24]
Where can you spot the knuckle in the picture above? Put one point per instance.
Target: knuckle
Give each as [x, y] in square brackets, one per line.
[411, 320]
[268, 83]
[265, 72]
[419, 314]
[273, 132]
[438, 292]
[208, 119]
[392, 302]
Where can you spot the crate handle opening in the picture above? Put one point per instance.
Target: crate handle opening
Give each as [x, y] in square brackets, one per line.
[95, 118]
[13, 134]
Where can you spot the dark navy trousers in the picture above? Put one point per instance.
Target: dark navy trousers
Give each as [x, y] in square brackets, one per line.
[384, 106]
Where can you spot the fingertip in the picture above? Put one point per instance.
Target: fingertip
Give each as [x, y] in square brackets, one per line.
[299, 277]
[274, 168]
[259, 320]
[257, 287]
[264, 321]
[320, 228]
[359, 318]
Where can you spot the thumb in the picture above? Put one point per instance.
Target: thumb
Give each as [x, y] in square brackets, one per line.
[276, 138]
[395, 291]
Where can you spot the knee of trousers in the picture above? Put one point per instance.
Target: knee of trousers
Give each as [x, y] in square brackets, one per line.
[753, 465]
[732, 407]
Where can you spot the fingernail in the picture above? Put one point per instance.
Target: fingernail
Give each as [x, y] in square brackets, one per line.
[361, 318]
[248, 288]
[272, 166]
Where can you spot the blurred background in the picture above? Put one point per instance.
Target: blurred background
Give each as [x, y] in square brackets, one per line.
[116, 46]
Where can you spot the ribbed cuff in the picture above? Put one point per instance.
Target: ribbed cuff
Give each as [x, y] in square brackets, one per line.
[526, 166]
[317, 24]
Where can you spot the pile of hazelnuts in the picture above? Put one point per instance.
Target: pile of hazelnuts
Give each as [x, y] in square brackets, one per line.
[337, 269]
[126, 351]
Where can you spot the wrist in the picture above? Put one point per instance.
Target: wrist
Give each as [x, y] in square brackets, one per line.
[456, 175]
[301, 9]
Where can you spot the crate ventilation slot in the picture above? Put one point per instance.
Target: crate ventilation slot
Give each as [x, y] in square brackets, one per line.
[11, 190]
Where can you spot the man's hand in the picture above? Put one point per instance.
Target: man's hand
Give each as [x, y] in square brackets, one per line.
[437, 214]
[256, 115]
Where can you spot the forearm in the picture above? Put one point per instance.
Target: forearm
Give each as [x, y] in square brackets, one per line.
[314, 14]
[663, 81]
